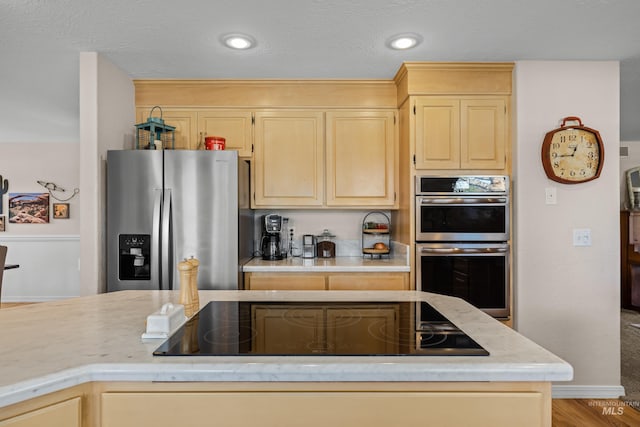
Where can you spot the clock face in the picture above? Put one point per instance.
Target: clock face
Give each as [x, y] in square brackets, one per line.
[574, 155]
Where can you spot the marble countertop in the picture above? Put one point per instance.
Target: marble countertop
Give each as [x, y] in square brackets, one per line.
[50, 346]
[353, 264]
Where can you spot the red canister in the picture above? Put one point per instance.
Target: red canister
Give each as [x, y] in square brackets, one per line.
[214, 143]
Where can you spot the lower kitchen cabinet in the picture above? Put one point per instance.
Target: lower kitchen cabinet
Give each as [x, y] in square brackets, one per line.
[286, 330]
[287, 404]
[285, 281]
[321, 408]
[355, 338]
[62, 414]
[368, 282]
[387, 281]
[344, 330]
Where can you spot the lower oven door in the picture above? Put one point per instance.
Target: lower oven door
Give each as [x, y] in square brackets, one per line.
[475, 272]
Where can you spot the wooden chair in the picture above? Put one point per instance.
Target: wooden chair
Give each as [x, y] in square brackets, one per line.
[3, 257]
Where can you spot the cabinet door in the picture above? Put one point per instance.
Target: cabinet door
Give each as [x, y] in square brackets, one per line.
[366, 330]
[369, 282]
[63, 414]
[288, 330]
[185, 122]
[288, 159]
[234, 126]
[483, 133]
[437, 133]
[361, 153]
[285, 281]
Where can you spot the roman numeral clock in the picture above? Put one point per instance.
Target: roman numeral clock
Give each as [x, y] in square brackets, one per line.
[572, 154]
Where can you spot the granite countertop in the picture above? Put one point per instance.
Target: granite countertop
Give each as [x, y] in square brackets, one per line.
[50, 346]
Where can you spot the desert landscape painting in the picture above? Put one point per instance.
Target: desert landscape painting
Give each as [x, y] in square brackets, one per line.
[29, 208]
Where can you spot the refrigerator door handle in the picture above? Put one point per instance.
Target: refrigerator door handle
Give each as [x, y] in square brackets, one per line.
[166, 241]
[156, 237]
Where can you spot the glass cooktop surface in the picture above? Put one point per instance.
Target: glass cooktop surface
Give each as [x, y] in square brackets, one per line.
[232, 328]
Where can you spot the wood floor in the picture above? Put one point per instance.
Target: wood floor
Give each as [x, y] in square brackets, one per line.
[594, 413]
[565, 412]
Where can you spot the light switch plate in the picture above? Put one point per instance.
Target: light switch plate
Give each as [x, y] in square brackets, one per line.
[581, 237]
[550, 196]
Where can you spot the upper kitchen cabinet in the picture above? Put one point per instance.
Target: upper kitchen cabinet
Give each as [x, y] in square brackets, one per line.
[361, 158]
[288, 163]
[456, 117]
[233, 125]
[460, 133]
[184, 120]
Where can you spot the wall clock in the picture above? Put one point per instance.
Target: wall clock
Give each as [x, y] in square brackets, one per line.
[572, 154]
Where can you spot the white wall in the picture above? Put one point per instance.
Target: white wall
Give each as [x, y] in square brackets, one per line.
[48, 254]
[107, 118]
[567, 298]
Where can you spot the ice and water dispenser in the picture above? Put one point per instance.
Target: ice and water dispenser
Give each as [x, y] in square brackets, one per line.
[135, 257]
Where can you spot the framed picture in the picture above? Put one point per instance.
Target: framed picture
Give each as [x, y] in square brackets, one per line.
[3, 221]
[60, 210]
[29, 208]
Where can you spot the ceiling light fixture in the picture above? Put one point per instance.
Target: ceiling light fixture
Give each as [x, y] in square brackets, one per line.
[404, 41]
[238, 41]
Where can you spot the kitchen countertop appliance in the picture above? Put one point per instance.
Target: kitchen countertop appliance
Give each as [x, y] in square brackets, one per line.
[308, 246]
[267, 328]
[167, 205]
[271, 240]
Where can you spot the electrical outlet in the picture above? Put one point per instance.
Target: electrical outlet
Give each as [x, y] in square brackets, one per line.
[292, 231]
[581, 237]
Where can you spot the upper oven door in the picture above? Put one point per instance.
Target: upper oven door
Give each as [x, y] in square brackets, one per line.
[462, 218]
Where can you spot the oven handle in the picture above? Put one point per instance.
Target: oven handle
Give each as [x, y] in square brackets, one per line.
[462, 201]
[463, 250]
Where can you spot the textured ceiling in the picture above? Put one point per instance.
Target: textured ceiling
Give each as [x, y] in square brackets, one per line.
[40, 41]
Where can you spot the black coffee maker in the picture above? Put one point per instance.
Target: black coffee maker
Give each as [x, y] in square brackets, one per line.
[271, 237]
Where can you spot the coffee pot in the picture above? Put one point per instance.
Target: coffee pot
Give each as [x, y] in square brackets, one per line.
[271, 242]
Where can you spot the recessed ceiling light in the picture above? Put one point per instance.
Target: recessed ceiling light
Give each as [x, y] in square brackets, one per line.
[238, 41]
[404, 41]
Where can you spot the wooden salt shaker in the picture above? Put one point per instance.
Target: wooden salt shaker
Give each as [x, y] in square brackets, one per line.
[186, 298]
[195, 296]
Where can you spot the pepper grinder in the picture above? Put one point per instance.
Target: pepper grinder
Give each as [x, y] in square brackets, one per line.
[186, 299]
[195, 296]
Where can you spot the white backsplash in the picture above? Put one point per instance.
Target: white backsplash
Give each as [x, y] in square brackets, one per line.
[346, 225]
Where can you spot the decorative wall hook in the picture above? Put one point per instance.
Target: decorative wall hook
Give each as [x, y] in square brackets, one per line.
[51, 186]
[4, 187]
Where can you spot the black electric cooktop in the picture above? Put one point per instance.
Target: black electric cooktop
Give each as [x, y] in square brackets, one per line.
[257, 328]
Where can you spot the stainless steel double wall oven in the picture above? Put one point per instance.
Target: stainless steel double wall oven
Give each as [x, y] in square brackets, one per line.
[462, 239]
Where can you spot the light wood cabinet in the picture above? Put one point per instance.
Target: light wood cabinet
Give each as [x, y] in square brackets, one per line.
[285, 281]
[313, 329]
[361, 158]
[63, 414]
[288, 159]
[290, 168]
[288, 330]
[348, 330]
[385, 281]
[352, 407]
[233, 125]
[460, 133]
[184, 120]
[368, 282]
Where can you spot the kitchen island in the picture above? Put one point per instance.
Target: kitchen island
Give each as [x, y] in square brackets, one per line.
[83, 359]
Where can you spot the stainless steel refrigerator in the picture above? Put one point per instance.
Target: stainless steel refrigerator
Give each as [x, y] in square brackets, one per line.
[168, 205]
